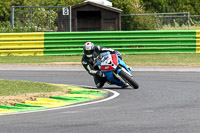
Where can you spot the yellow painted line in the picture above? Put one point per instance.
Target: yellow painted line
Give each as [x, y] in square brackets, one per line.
[21, 36]
[2, 111]
[81, 95]
[60, 85]
[63, 85]
[50, 100]
[75, 88]
[47, 104]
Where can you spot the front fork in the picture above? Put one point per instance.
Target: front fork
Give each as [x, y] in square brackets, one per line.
[116, 73]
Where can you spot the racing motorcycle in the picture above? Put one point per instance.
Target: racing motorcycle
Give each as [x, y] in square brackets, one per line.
[115, 70]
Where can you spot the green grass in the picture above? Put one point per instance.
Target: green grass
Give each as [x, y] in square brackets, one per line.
[37, 59]
[133, 60]
[13, 87]
[163, 60]
[180, 28]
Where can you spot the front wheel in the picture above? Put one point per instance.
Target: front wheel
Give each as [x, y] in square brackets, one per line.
[128, 79]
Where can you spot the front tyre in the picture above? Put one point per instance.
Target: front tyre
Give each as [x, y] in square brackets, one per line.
[128, 79]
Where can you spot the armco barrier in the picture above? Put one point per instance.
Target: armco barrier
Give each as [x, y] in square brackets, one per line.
[127, 42]
[22, 44]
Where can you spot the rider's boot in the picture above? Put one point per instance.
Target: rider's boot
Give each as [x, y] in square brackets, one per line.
[109, 83]
[125, 86]
[99, 85]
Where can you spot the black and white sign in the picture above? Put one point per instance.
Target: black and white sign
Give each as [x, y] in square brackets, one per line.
[65, 11]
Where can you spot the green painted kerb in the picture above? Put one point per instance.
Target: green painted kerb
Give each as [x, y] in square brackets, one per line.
[76, 95]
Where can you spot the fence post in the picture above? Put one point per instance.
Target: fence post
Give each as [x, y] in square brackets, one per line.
[188, 20]
[50, 19]
[31, 17]
[12, 16]
[156, 22]
[70, 19]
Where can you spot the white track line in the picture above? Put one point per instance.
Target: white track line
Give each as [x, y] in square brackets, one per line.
[115, 94]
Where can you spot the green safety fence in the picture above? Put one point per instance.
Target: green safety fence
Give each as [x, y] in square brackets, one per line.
[127, 42]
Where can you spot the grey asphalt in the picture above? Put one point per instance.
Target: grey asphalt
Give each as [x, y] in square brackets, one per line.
[166, 102]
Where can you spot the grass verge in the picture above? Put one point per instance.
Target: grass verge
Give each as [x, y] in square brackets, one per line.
[12, 91]
[37, 59]
[163, 60]
[133, 60]
[13, 87]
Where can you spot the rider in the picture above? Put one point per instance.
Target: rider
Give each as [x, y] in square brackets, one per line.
[90, 53]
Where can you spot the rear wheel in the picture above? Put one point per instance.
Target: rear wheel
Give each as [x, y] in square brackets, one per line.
[128, 79]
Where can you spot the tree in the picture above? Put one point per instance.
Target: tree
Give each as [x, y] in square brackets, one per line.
[165, 6]
[134, 22]
[69, 2]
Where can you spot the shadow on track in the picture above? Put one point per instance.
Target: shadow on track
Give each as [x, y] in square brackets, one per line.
[118, 88]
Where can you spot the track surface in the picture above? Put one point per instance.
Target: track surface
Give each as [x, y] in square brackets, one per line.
[166, 102]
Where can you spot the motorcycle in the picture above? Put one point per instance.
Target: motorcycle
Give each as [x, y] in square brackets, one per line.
[115, 70]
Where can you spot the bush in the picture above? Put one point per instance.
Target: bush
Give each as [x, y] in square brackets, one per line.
[6, 27]
[134, 22]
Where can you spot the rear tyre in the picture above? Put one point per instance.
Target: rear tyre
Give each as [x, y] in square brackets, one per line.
[128, 79]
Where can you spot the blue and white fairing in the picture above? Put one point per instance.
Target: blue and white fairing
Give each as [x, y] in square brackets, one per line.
[109, 65]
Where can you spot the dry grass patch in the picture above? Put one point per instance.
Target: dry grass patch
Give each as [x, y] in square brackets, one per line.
[12, 91]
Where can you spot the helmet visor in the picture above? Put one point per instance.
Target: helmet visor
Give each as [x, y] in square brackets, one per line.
[88, 52]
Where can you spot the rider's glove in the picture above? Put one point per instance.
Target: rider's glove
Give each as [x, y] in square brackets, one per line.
[100, 73]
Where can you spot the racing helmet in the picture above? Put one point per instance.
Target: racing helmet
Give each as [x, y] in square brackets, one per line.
[88, 49]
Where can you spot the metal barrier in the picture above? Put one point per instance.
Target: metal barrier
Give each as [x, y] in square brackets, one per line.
[127, 42]
[22, 44]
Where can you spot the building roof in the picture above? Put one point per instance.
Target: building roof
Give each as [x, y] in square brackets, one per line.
[98, 5]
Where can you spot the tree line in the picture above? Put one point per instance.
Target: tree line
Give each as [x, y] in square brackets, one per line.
[127, 7]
